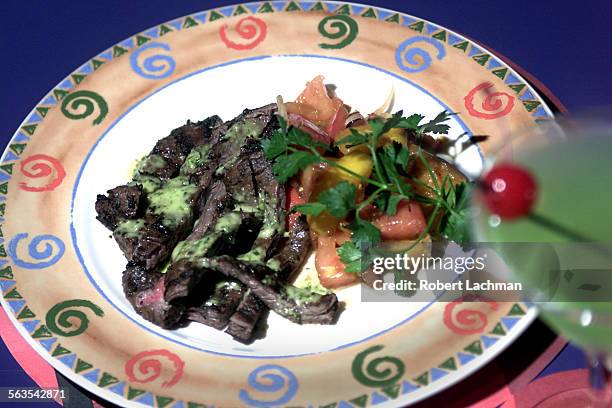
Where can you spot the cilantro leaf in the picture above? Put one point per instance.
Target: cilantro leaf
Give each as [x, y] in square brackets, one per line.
[354, 139]
[350, 255]
[309, 208]
[381, 126]
[394, 160]
[275, 145]
[339, 199]
[287, 166]
[300, 138]
[364, 232]
[455, 224]
[392, 204]
[411, 122]
[436, 125]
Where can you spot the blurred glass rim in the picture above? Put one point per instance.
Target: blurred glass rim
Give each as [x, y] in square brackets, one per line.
[565, 127]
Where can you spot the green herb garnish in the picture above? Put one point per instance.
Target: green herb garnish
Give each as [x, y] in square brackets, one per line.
[292, 150]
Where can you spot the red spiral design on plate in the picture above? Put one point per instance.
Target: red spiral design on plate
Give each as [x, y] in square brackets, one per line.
[41, 166]
[468, 320]
[251, 29]
[147, 366]
[494, 104]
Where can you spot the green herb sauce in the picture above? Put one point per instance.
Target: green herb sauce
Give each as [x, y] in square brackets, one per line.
[273, 264]
[195, 159]
[172, 201]
[228, 223]
[149, 183]
[308, 294]
[238, 133]
[255, 255]
[269, 228]
[149, 163]
[196, 249]
[129, 228]
[192, 250]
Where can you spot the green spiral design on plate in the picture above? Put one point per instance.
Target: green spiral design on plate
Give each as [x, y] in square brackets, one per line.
[379, 372]
[82, 104]
[339, 27]
[66, 319]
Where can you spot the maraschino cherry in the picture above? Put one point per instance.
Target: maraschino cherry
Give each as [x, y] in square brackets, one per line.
[509, 191]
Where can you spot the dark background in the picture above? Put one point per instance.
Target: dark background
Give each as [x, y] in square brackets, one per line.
[566, 44]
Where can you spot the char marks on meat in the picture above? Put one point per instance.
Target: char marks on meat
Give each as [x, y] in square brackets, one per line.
[244, 320]
[122, 202]
[221, 254]
[321, 309]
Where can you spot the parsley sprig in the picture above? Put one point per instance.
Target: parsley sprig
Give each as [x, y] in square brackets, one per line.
[292, 150]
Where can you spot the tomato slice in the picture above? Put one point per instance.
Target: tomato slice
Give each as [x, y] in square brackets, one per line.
[408, 222]
[315, 96]
[330, 268]
[336, 124]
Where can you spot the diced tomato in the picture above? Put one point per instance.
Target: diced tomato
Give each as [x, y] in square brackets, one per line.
[315, 96]
[407, 223]
[336, 125]
[308, 112]
[329, 266]
[368, 212]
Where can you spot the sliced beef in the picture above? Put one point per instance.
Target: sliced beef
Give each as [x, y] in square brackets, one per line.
[123, 202]
[235, 262]
[163, 163]
[183, 275]
[251, 178]
[219, 307]
[293, 250]
[214, 202]
[175, 147]
[248, 313]
[261, 281]
[149, 247]
[145, 291]
[290, 254]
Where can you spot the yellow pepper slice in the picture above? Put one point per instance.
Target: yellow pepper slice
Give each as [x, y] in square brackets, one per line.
[357, 162]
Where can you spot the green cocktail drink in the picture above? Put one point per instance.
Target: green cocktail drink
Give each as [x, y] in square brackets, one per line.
[563, 222]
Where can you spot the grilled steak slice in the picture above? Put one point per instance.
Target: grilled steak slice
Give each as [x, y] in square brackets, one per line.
[122, 202]
[249, 125]
[224, 217]
[243, 193]
[308, 308]
[174, 149]
[289, 256]
[127, 202]
[243, 322]
[213, 203]
[252, 180]
[218, 309]
[293, 250]
[145, 291]
[148, 242]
